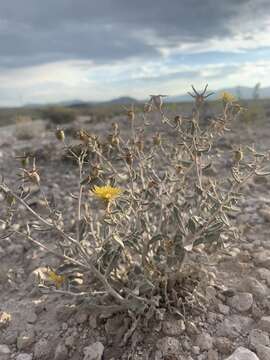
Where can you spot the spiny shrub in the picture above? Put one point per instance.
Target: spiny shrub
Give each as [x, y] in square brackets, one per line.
[149, 218]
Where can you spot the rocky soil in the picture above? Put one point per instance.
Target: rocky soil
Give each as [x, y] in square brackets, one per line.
[37, 326]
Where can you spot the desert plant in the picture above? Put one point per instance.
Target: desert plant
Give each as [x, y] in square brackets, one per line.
[59, 115]
[147, 224]
[254, 111]
[26, 128]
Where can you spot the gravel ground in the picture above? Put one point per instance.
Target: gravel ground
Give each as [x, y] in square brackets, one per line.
[39, 326]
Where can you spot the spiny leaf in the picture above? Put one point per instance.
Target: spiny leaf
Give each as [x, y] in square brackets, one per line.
[118, 240]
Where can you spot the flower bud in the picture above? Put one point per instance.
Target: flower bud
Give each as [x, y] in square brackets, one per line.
[25, 161]
[157, 139]
[238, 156]
[60, 135]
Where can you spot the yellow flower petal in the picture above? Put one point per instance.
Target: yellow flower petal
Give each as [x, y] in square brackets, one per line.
[227, 97]
[107, 192]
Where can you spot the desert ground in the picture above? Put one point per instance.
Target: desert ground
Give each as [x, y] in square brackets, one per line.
[37, 325]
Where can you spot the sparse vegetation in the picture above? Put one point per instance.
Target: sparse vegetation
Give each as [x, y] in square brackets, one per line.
[253, 111]
[59, 115]
[151, 216]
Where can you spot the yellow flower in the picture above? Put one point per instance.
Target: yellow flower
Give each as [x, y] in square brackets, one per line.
[106, 193]
[56, 279]
[227, 97]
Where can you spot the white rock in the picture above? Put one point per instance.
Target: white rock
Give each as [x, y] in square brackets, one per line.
[61, 352]
[2, 252]
[264, 274]
[224, 309]
[42, 350]
[259, 290]
[234, 325]
[264, 324]
[224, 345]
[258, 337]
[24, 356]
[212, 355]
[241, 302]
[94, 351]
[262, 259]
[31, 317]
[205, 341]
[196, 350]
[210, 292]
[4, 350]
[173, 327]
[168, 346]
[263, 352]
[242, 353]
[191, 328]
[25, 339]
[265, 213]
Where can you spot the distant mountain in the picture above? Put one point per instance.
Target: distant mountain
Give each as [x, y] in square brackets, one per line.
[244, 92]
[124, 100]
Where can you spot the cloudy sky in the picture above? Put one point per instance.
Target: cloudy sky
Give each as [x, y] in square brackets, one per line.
[95, 50]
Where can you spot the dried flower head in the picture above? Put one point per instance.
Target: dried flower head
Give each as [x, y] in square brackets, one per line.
[84, 136]
[200, 97]
[32, 176]
[107, 192]
[227, 97]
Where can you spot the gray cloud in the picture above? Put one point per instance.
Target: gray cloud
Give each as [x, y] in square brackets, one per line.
[34, 32]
